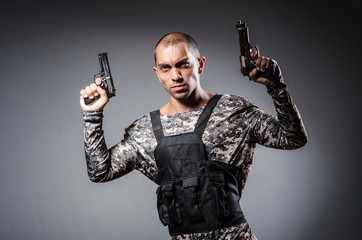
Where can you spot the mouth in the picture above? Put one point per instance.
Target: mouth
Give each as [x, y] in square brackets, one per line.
[178, 87]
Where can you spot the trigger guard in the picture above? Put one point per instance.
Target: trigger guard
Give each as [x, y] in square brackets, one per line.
[257, 52]
[97, 74]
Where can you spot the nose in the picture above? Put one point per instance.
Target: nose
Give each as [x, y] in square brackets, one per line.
[175, 74]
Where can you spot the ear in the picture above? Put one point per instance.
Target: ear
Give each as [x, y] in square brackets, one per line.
[202, 61]
[156, 71]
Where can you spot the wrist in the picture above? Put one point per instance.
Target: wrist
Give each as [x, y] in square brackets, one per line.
[92, 115]
[275, 85]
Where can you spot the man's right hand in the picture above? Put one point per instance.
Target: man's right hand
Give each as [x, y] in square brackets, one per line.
[90, 92]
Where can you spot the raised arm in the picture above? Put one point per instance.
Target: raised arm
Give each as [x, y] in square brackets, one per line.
[105, 164]
[286, 131]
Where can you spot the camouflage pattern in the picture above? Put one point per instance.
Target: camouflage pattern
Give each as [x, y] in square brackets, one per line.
[238, 232]
[234, 128]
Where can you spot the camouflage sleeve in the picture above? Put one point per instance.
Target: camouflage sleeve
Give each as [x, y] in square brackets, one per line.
[105, 164]
[238, 232]
[286, 130]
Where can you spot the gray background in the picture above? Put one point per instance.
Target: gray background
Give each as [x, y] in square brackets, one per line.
[49, 52]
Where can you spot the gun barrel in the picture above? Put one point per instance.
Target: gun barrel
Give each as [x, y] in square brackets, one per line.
[244, 41]
[106, 73]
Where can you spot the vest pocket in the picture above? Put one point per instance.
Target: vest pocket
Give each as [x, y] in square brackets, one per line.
[220, 198]
[168, 209]
[191, 196]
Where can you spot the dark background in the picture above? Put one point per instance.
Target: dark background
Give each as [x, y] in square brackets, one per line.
[49, 52]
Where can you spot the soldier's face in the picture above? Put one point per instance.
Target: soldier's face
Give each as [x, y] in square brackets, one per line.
[178, 70]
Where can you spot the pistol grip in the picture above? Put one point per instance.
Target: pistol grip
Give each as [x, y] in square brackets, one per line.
[88, 101]
[269, 73]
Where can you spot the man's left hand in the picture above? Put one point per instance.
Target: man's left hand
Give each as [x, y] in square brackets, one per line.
[263, 63]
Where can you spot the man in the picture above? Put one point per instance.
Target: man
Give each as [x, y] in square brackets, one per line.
[198, 147]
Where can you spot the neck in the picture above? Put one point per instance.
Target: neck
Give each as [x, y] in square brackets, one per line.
[195, 100]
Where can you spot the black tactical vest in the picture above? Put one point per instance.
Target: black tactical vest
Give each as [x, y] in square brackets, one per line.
[195, 194]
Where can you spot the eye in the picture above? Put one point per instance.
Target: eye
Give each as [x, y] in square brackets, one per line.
[184, 64]
[164, 68]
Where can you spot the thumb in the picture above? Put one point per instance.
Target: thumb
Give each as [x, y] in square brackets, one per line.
[102, 92]
[253, 74]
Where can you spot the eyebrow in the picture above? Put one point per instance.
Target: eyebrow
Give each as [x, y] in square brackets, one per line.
[163, 65]
[178, 64]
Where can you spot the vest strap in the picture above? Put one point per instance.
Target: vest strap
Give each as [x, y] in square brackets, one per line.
[156, 125]
[205, 115]
[200, 125]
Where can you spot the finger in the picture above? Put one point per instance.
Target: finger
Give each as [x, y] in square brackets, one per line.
[83, 93]
[253, 74]
[98, 81]
[89, 92]
[257, 63]
[263, 62]
[93, 88]
[268, 63]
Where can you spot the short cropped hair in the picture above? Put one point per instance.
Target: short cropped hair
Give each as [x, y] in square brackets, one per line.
[173, 38]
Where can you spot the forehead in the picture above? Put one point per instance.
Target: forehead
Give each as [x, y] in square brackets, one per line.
[172, 53]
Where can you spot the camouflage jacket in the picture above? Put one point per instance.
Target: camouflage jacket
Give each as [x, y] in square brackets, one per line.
[234, 128]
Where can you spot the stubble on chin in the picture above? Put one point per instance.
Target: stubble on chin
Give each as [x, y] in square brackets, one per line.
[182, 95]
